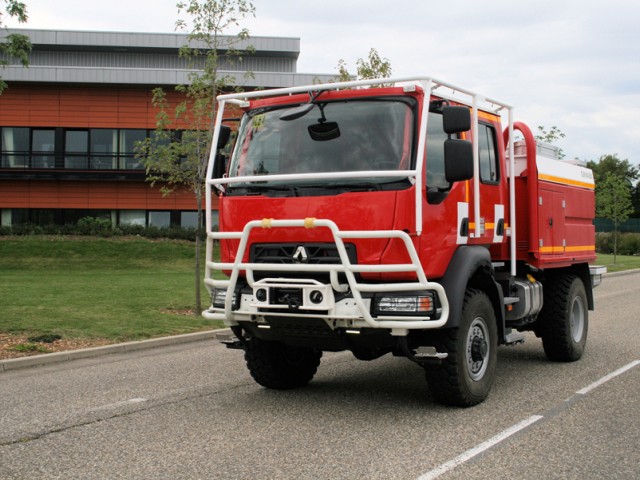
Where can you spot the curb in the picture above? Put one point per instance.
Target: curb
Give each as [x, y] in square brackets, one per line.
[623, 272]
[49, 358]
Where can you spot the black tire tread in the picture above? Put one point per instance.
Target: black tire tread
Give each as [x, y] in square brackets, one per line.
[270, 366]
[444, 381]
[553, 325]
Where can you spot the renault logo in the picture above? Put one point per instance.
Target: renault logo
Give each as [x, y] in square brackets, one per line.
[300, 255]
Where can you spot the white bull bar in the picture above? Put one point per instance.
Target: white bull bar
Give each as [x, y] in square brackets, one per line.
[397, 323]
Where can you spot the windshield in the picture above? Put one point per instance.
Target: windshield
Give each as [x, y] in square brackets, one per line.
[341, 136]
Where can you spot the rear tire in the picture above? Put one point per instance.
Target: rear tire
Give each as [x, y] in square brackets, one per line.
[563, 322]
[279, 366]
[465, 377]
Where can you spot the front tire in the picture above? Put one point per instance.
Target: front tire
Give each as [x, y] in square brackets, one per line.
[279, 366]
[563, 322]
[465, 377]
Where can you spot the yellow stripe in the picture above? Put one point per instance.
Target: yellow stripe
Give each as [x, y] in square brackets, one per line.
[581, 248]
[565, 181]
[560, 249]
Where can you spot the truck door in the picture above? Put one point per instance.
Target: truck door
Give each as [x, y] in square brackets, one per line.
[551, 222]
[492, 187]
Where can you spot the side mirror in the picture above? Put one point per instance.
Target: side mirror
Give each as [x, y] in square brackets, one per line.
[223, 136]
[458, 160]
[456, 119]
[219, 166]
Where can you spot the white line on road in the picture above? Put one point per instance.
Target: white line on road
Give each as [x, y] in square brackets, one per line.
[493, 441]
[131, 401]
[469, 454]
[606, 378]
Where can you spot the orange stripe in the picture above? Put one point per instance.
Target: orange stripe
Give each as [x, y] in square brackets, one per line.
[560, 249]
[565, 181]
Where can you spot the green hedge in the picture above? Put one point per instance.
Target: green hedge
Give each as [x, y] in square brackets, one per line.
[628, 243]
[102, 228]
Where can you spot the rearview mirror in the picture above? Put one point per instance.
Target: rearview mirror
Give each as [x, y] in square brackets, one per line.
[324, 131]
[456, 119]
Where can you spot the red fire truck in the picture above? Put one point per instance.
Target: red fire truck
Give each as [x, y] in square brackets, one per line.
[394, 216]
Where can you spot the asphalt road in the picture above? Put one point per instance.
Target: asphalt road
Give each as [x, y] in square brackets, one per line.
[193, 411]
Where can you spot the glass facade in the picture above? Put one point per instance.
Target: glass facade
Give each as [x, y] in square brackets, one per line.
[70, 216]
[71, 149]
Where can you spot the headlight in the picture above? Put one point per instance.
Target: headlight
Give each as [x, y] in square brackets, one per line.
[218, 297]
[417, 304]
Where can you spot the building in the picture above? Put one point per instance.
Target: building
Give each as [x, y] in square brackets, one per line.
[69, 122]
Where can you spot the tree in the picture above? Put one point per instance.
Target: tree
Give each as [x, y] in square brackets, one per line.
[373, 67]
[177, 153]
[551, 136]
[14, 45]
[613, 201]
[612, 165]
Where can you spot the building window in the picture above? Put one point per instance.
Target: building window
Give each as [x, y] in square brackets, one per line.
[76, 149]
[160, 219]
[104, 148]
[128, 140]
[133, 217]
[14, 145]
[188, 219]
[43, 148]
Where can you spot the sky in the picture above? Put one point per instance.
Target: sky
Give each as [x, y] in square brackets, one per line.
[574, 64]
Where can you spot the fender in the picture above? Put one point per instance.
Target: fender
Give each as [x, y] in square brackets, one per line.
[471, 266]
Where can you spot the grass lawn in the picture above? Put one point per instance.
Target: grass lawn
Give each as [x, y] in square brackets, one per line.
[116, 289]
[623, 262]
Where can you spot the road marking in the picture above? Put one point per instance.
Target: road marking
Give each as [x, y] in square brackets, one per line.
[493, 441]
[606, 378]
[123, 403]
[469, 454]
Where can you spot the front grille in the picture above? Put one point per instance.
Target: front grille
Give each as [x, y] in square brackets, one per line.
[287, 253]
[301, 253]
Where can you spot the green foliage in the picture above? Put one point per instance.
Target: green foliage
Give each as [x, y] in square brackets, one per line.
[627, 243]
[371, 68]
[91, 229]
[613, 201]
[611, 164]
[14, 45]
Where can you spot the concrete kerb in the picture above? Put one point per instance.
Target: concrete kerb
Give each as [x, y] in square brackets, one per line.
[48, 358]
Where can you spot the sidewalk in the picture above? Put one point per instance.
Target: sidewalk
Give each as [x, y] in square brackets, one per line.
[49, 358]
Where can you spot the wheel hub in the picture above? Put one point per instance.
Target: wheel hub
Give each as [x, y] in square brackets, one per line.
[477, 349]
